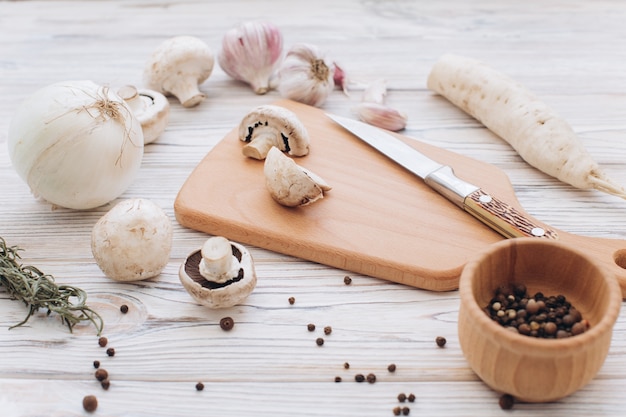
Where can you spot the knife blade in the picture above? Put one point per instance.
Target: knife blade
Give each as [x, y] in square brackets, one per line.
[495, 213]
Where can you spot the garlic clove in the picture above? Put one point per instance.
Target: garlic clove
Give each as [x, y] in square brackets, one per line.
[304, 76]
[340, 79]
[376, 91]
[381, 115]
[288, 183]
[251, 52]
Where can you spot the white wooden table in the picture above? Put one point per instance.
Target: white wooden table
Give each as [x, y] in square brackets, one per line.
[570, 53]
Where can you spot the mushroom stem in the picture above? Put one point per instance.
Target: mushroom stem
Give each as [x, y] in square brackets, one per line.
[185, 90]
[217, 260]
[259, 146]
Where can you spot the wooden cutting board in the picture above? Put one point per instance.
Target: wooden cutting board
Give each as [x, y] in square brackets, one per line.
[378, 219]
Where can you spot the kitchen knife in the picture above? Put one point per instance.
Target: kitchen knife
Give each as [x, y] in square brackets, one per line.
[493, 212]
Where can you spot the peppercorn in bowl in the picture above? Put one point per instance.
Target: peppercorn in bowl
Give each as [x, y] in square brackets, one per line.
[536, 317]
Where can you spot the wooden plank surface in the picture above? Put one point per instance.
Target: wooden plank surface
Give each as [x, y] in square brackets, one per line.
[569, 53]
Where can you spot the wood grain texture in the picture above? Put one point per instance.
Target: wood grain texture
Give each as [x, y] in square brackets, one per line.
[269, 365]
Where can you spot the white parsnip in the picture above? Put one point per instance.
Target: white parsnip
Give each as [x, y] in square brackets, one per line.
[507, 108]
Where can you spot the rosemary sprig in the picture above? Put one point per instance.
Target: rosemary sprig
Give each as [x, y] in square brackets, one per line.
[38, 290]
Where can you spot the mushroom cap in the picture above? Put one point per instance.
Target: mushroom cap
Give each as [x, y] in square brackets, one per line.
[150, 107]
[132, 241]
[270, 125]
[288, 183]
[218, 295]
[178, 66]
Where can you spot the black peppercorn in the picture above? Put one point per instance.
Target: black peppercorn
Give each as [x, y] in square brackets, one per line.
[292, 300]
[96, 364]
[347, 280]
[102, 341]
[371, 378]
[328, 330]
[199, 386]
[105, 384]
[90, 403]
[346, 365]
[359, 378]
[506, 401]
[124, 308]
[441, 341]
[319, 341]
[310, 327]
[402, 397]
[227, 323]
[406, 411]
[337, 379]
[411, 398]
[397, 411]
[101, 374]
[391, 367]
[111, 352]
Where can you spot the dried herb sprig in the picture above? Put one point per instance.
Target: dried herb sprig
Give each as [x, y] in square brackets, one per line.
[38, 290]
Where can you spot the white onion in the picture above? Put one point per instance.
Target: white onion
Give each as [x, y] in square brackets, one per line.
[76, 144]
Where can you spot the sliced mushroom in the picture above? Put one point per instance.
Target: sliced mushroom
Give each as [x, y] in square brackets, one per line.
[151, 109]
[271, 125]
[178, 66]
[290, 184]
[221, 274]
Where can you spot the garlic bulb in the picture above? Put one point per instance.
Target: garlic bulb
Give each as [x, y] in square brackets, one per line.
[304, 76]
[76, 144]
[251, 52]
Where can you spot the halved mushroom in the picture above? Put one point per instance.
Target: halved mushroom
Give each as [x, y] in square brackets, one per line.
[219, 275]
[178, 66]
[270, 125]
[150, 107]
[290, 184]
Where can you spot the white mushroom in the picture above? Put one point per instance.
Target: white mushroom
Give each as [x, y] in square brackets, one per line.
[290, 184]
[178, 66]
[150, 107]
[132, 241]
[219, 275]
[270, 125]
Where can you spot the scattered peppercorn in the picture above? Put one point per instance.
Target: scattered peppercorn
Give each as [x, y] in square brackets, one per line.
[101, 374]
[441, 341]
[402, 397]
[328, 330]
[371, 378]
[411, 398]
[124, 308]
[199, 386]
[310, 327]
[90, 403]
[337, 379]
[96, 364]
[319, 341]
[506, 401]
[111, 351]
[292, 300]
[227, 323]
[391, 367]
[548, 317]
[359, 378]
[346, 365]
[347, 280]
[406, 411]
[397, 411]
[102, 341]
[105, 384]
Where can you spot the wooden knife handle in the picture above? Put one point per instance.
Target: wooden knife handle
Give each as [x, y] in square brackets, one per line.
[503, 218]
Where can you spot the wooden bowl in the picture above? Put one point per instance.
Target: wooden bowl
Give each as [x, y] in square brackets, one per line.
[529, 368]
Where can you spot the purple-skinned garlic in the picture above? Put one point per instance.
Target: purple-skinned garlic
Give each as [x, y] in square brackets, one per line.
[251, 52]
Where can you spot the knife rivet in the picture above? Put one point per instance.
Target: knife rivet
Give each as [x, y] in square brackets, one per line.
[485, 198]
[537, 231]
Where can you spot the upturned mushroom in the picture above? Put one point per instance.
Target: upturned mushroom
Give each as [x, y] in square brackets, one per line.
[270, 125]
[150, 107]
[221, 274]
[178, 66]
[290, 184]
